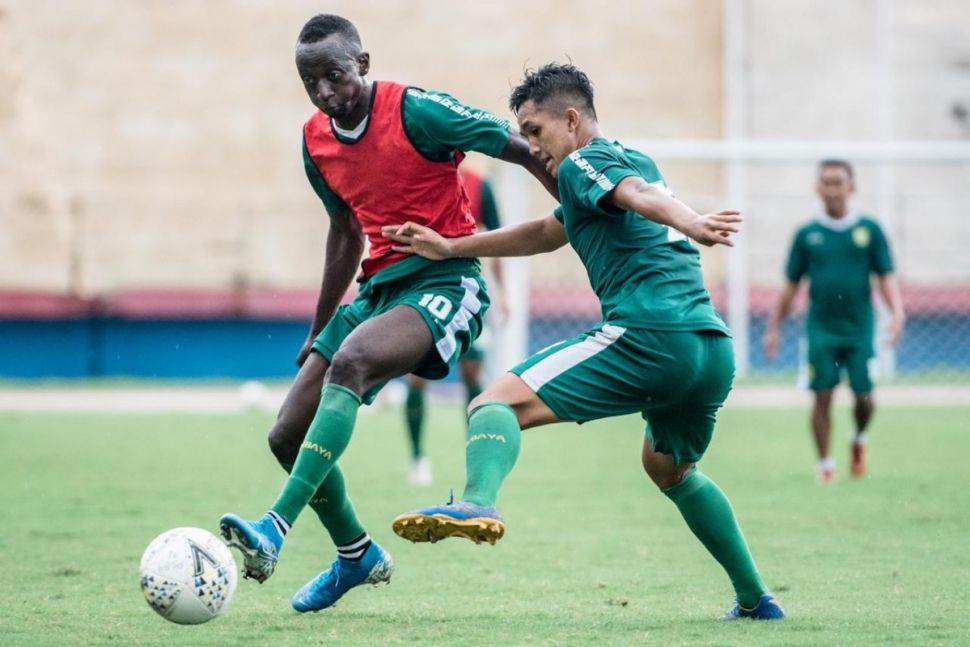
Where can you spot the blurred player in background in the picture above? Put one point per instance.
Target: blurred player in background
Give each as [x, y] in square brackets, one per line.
[661, 350]
[376, 153]
[839, 251]
[485, 211]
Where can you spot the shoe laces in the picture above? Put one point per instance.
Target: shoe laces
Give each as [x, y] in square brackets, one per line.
[335, 569]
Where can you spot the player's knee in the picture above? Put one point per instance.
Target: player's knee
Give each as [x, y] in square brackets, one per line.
[415, 383]
[349, 368]
[284, 441]
[480, 400]
[490, 398]
[823, 399]
[665, 474]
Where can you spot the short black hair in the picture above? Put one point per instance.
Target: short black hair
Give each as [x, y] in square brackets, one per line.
[554, 81]
[836, 163]
[325, 25]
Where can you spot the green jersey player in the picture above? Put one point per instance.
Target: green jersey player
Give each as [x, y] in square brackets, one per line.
[838, 252]
[661, 349]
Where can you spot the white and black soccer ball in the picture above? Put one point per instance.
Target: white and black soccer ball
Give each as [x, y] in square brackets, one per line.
[188, 575]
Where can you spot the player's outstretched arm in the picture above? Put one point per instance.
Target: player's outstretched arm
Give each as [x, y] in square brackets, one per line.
[345, 246]
[517, 152]
[657, 204]
[525, 239]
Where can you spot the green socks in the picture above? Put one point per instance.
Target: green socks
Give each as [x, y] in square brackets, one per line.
[709, 515]
[334, 509]
[493, 444]
[414, 412]
[326, 440]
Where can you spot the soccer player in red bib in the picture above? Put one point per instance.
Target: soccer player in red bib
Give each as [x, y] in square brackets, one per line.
[377, 153]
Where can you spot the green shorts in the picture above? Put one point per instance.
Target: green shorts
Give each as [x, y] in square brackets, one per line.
[451, 297]
[827, 357]
[479, 348]
[676, 380]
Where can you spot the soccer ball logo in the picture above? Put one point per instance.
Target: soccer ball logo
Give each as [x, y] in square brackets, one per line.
[188, 575]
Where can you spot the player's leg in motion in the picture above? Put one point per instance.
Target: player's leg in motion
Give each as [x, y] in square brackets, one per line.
[330, 502]
[419, 472]
[857, 366]
[495, 421]
[864, 407]
[387, 346]
[471, 376]
[822, 433]
[709, 515]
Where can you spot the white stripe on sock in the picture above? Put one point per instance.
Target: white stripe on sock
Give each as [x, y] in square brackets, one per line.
[281, 525]
[355, 549]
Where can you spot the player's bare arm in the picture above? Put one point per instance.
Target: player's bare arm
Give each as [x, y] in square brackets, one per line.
[345, 247]
[655, 203]
[517, 152]
[889, 289]
[525, 239]
[780, 313]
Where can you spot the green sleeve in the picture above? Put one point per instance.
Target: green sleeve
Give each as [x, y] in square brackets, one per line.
[591, 174]
[797, 259]
[489, 209]
[880, 259]
[438, 124]
[331, 200]
[558, 214]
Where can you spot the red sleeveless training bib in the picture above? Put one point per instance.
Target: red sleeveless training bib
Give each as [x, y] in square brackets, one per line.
[474, 190]
[386, 181]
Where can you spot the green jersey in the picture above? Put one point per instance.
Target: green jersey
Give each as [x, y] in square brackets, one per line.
[437, 125]
[646, 275]
[838, 256]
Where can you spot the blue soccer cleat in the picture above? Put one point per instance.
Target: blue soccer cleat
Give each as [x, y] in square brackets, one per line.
[324, 590]
[461, 519]
[767, 609]
[259, 542]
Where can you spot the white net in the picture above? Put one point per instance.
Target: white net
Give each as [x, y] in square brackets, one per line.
[918, 191]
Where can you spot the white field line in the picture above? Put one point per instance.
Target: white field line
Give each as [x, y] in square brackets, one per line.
[230, 399]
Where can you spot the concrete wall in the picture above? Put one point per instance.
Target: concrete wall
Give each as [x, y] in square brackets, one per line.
[815, 74]
[158, 144]
[149, 144]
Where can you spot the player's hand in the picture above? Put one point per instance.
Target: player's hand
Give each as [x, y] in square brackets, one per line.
[417, 239]
[896, 325]
[305, 350]
[715, 228]
[770, 344]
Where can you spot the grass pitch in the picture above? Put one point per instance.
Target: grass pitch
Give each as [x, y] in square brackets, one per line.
[593, 554]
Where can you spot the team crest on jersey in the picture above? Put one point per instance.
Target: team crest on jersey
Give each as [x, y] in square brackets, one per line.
[814, 238]
[860, 236]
